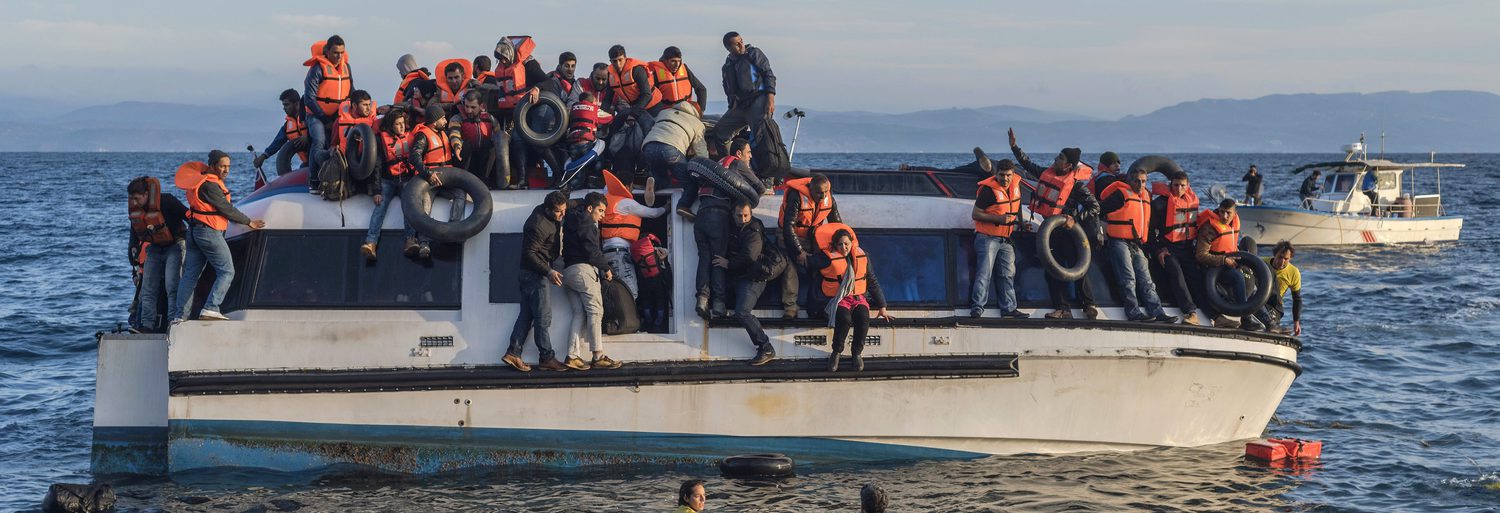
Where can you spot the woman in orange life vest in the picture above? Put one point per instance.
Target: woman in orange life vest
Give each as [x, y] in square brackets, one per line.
[997, 217]
[1127, 215]
[328, 84]
[293, 129]
[1062, 190]
[1174, 228]
[848, 281]
[157, 231]
[395, 147]
[1218, 238]
[210, 213]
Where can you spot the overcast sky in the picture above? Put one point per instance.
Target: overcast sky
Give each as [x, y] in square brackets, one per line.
[1097, 58]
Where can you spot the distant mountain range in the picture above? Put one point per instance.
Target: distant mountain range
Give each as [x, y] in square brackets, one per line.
[1445, 121]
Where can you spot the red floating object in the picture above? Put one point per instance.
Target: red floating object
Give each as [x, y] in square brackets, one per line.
[1277, 449]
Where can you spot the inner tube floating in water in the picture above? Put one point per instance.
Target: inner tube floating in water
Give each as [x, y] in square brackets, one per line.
[726, 181]
[1157, 164]
[544, 121]
[284, 157]
[1260, 289]
[360, 152]
[757, 465]
[1080, 244]
[418, 193]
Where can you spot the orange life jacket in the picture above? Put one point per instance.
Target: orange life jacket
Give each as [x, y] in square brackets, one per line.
[347, 120]
[337, 82]
[397, 150]
[439, 153]
[615, 223]
[446, 94]
[622, 82]
[1007, 201]
[1053, 189]
[146, 220]
[1226, 234]
[1181, 224]
[673, 87]
[193, 176]
[839, 262]
[295, 129]
[810, 214]
[512, 79]
[1130, 221]
[419, 74]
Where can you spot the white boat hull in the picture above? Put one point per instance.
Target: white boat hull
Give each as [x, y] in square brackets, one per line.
[1310, 228]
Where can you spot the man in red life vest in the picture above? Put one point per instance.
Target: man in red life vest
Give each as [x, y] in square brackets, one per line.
[1062, 191]
[472, 133]
[292, 130]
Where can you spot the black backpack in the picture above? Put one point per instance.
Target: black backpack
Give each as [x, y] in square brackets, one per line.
[620, 317]
[772, 260]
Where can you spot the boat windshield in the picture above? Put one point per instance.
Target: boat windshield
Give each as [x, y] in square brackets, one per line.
[1340, 182]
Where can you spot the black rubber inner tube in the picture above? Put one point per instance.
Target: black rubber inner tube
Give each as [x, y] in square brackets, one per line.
[757, 465]
[1157, 164]
[1049, 261]
[284, 156]
[360, 152]
[416, 200]
[500, 167]
[1248, 245]
[729, 182]
[544, 121]
[1258, 290]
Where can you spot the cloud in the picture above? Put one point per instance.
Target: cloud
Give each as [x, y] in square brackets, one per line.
[60, 30]
[431, 48]
[311, 20]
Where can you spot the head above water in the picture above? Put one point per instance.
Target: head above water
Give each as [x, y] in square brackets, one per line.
[692, 494]
[873, 499]
[734, 43]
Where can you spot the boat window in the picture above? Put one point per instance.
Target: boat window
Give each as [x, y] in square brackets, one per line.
[963, 185]
[397, 281]
[505, 267]
[1339, 183]
[323, 269]
[1031, 279]
[302, 270]
[911, 266]
[882, 182]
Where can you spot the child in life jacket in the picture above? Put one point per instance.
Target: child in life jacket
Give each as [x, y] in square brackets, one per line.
[654, 278]
[584, 120]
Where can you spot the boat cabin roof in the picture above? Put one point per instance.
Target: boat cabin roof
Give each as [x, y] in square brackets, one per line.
[1373, 165]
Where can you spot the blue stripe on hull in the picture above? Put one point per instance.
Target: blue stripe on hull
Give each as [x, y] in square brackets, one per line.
[298, 446]
[129, 450]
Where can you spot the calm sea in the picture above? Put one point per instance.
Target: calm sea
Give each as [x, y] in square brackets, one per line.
[1402, 382]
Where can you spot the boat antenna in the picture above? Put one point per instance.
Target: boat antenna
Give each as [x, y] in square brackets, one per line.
[1382, 143]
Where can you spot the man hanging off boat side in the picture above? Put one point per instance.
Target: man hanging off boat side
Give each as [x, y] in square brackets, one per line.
[1218, 240]
[328, 84]
[1288, 277]
[293, 130]
[1062, 190]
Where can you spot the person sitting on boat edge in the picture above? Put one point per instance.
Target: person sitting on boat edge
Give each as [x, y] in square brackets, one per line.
[1062, 190]
[293, 129]
[849, 285]
[584, 269]
[1254, 185]
[431, 148]
[1174, 231]
[997, 217]
[807, 204]
[328, 83]
[1126, 206]
[1218, 239]
[395, 172]
[1311, 188]
[691, 497]
[1288, 277]
[621, 226]
[210, 212]
[158, 224]
[748, 251]
[541, 242]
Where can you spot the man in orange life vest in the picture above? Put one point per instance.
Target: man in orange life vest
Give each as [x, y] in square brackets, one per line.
[482, 67]
[1218, 240]
[621, 226]
[1174, 231]
[997, 217]
[416, 83]
[517, 74]
[631, 91]
[431, 147]
[453, 82]
[1126, 205]
[807, 204]
[328, 84]
[1062, 190]
[157, 222]
[675, 82]
[294, 129]
[210, 213]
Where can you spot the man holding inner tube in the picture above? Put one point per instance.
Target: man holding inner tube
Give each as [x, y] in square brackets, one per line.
[1062, 190]
[1218, 240]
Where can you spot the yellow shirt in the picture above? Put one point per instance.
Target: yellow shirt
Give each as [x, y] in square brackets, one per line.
[1288, 277]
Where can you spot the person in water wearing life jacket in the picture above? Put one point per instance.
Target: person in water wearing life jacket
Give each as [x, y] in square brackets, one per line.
[748, 250]
[1254, 185]
[158, 227]
[997, 219]
[328, 84]
[675, 82]
[621, 226]
[712, 227]
[294, 129]
[210, 213]
[807, 204]
[1288, 277]
[541, 245]
[677, 136]
[408, 93]
[847, 281]
[431, 148]
[1126, 205]
[691, 497]
[1062, 191]
[472, 133]
[1218, 240]
[517, 75]
[585, 268]
[1174, 233]
[396, 171]
[631, 91]
[750, 87]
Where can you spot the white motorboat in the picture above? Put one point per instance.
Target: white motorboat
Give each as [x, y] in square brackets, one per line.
[396, 364]
[1363, 201]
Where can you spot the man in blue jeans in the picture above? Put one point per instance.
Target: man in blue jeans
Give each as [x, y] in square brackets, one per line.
[157, 222]
[210, 213]
[1126, 206]
[540, 246]
[996, 215]
[746, 245]
[328, 84]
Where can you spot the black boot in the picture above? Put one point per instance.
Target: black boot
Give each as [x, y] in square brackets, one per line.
[833, 362]
[859, 363]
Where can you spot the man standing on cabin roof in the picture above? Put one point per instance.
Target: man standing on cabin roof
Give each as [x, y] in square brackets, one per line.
[157, 222]
[1062, 190]
[750, 86]
[210, 213]
[585, 269]
[676, 82]
[1254, 185]
[997, 218]
[1218, 240]
[541, 245]
[1127, 216]
[1288, 277]
[293, 130]
[1174, 232]
[328, 84]
[807, 204]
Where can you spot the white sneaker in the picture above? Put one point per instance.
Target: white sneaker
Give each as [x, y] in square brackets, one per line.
[210, 315]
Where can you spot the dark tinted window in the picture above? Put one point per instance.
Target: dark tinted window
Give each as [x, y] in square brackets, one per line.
[397, 281]
[505, 264]
[912, 267]
[323, 269]
[882, 182]
[1031, 279]
[963, 185]
[301, 270]
[239, 248]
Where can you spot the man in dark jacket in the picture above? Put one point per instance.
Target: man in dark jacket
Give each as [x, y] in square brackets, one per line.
[799, 246]
[745, 247]
[162, 265]
[584, 269]
[541, 245]
[711, 230]
[1079, 206]
[750, 86]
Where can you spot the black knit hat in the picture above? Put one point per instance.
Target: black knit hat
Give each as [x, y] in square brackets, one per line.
[1108, 158]
[433, 113]
[1072, 154]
